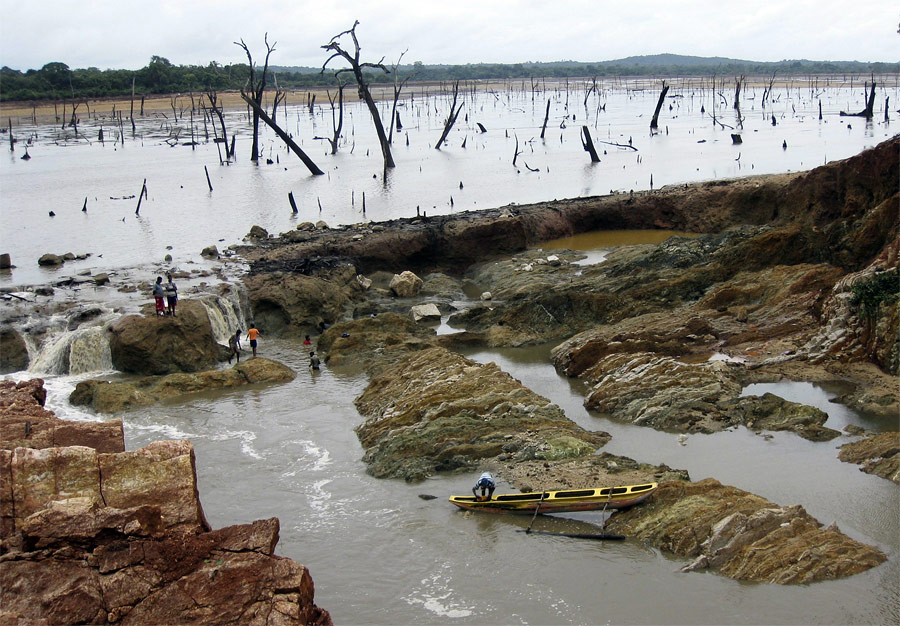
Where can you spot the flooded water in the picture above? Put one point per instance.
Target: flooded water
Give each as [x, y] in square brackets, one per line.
[182, 213]
[380, 554]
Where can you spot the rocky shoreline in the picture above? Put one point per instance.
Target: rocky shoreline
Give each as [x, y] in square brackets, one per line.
[792, 276]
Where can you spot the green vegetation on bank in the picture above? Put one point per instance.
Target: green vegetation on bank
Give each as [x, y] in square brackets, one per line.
[869, 294]
[56, 81]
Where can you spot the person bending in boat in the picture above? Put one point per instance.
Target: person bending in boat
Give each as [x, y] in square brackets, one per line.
[486, 484]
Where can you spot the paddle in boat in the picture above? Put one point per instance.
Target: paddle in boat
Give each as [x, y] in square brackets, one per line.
[563, 501]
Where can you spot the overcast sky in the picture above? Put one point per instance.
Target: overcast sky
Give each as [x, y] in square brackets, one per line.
[124, 34]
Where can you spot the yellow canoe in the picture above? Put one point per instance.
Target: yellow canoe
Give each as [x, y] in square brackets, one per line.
[563, 501]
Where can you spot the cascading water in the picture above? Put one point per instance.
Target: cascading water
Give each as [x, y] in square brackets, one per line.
[225, 315]
[78, 351]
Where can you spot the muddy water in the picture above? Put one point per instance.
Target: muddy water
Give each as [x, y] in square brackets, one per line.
[181, 212]
[380, 554]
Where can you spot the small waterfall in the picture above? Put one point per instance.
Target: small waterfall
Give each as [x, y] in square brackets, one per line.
[74, 352]
[225, 315]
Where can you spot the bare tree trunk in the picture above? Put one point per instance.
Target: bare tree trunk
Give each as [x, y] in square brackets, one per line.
[337, 124]
[654, 123]
[588, 144]
[257, 87]
[357, 68]
[546, 117]
[451, 118]
[868, 112]
[284, 136]
[213, 97]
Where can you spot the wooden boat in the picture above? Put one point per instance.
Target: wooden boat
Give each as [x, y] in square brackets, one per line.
[564, 501]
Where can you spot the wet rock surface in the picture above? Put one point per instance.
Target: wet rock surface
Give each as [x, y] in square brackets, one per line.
[434, 410]
[164, 345]
[120, 537]
[876, 454]
[742, 535]
[112, 396]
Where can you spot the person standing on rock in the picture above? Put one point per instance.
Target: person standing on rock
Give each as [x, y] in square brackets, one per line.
[158, 295]
[486, 484]
[252, 334]
[171, 295]
[235, 344]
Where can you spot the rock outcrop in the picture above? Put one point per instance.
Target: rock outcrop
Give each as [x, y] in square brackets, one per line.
[877, 454]
[434, 410]
[121, 395]
[25, 423]
[742, 535]
[165, 345]
[13, 352]
[120, 537]
[300, 297]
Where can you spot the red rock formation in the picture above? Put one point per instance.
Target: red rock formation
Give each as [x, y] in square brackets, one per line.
[120, 537]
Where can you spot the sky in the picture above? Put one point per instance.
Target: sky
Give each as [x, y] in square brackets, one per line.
[125, 34]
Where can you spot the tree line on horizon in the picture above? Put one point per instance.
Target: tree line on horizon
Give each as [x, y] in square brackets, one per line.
[56, 81]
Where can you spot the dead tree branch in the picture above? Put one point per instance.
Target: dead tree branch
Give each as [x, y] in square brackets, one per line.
[357, 68]
[451, 117]
[257, 110]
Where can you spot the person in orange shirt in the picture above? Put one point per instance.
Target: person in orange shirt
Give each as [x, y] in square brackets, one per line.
[252, 334]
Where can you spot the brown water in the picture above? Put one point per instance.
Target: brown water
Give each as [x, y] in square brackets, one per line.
[379, 554]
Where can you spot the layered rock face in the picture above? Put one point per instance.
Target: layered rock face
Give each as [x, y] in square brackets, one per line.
[742, 535]
[114, 396]
[151, 345]
[120, 537]
[876, 454]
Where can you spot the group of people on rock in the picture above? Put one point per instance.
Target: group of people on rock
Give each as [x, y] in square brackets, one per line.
[166, 296]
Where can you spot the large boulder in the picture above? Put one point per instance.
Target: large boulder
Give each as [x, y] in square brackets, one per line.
[297, 302]
[13, 352]
[405, 284]
[154, 345]
[116, 396]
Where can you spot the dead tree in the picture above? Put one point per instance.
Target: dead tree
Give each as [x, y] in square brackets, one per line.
[280, 95]
[337, 124]
[738, 82]
[546, 117]
[654, 123]
[451, 117]
[357, 68]
[213, 98]
[588, 144]
[767, 92]
[868, 112]
[258, 111]
[257, 87]
[398, 87]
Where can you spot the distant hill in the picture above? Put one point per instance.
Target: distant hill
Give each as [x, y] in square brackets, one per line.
[56, 81]
[672, 64]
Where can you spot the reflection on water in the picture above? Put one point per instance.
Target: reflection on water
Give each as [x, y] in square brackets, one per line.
[180, 211]
[596, 244]
[379, 554]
